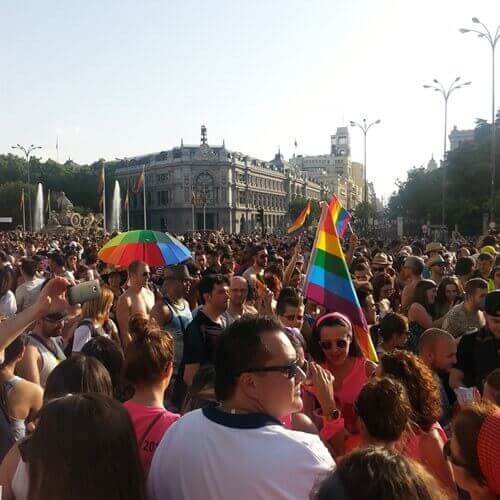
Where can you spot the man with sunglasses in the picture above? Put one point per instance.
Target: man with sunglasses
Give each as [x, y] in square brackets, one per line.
[138, 298]
[44, 349]
[258, 382]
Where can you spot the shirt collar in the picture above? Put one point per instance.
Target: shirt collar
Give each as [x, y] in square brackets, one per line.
[238, 420]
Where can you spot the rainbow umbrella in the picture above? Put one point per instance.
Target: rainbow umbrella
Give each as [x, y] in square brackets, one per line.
[152, 247]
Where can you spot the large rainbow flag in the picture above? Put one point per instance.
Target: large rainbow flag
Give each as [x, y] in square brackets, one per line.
[298, 226]
[328, 281]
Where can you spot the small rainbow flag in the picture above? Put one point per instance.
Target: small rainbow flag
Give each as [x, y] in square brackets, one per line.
[341, 217]
[298, 226]
[328, 281]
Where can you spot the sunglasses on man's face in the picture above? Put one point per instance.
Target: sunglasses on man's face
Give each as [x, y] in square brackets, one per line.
[291, 370]
[326, 345]
[146, 274]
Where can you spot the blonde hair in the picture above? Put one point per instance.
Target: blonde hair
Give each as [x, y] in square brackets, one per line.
[98, 309]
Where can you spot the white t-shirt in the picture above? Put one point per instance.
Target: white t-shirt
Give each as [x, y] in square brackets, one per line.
[83, 334]
[210, 454]
[8, 305]
[27, 292]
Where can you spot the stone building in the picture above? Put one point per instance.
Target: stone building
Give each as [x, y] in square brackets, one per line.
[210, 187]
[336, 169]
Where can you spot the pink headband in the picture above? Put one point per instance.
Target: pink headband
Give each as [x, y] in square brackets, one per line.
[334, 315]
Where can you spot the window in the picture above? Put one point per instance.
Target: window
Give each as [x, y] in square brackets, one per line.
[163, 198]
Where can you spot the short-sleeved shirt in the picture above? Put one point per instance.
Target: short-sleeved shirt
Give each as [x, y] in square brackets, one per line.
[458, 320]
[478, 354]
[150, 424]
[200, 341]
[27, 293]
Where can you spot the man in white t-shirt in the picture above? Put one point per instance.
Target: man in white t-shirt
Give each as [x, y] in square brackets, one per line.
[240, 449]
[28, 291]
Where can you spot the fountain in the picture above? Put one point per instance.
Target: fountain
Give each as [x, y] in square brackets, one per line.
[116, 208]
[38, 215]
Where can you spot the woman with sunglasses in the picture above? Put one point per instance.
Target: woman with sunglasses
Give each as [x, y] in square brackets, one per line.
[474, 450]
[334, 347]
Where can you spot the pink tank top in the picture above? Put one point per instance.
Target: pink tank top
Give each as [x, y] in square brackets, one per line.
[150, 423]
[348, 392]
[411, 448]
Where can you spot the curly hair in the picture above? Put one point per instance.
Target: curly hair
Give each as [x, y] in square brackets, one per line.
[421, 387]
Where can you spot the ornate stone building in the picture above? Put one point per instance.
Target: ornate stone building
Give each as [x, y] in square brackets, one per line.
[336, 169]
[202, 186]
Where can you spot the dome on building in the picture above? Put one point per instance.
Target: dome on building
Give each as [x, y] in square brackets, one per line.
[432, 165]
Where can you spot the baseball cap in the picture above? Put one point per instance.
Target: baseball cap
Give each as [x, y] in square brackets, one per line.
[492, 303]
[58, 316]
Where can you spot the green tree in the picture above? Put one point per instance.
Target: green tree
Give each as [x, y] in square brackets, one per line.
[419, 198]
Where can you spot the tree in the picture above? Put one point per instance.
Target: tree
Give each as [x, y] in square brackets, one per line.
[419, 198]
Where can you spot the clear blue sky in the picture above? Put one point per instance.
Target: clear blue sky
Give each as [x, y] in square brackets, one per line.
[125, 77]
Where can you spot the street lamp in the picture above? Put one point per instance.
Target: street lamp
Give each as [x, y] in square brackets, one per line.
[439, 87]
[492, 40]
[27, 152]
[365, 127]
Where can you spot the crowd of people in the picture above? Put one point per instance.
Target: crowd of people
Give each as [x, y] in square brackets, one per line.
[216, 378]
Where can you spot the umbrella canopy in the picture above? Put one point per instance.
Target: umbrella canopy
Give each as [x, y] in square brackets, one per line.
[152, 247]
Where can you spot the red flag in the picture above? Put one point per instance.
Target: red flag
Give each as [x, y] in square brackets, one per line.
[139, 182]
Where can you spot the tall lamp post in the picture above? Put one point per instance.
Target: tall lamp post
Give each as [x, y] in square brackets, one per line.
[365, 127]
[439, 87]
[484, 32]
[27, 152]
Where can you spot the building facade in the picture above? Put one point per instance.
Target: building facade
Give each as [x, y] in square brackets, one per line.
[459, 137]
[198, 187]
[343, 177]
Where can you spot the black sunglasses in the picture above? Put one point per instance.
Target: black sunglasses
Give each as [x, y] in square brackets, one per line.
[326, 345]
[289, 370]
[146, 274]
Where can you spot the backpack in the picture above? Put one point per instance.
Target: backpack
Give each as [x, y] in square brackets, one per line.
[93, 333]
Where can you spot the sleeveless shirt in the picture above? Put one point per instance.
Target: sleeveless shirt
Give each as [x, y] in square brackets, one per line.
[51, 357]
[17, 425]
[179, 321]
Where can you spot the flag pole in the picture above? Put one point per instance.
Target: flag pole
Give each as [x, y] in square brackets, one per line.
[192, 208]
[144, 195]
[24, 211]
[48, 205]
[103, 198]
[324, 213]
[128, 211]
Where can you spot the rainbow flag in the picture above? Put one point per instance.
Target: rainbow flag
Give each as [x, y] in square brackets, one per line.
[329, 283]
[341, 217]
[298, 226]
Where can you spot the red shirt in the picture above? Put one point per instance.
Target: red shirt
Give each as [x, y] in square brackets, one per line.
[150, 423]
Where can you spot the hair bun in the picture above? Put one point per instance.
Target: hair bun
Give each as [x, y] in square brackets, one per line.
[139, 325]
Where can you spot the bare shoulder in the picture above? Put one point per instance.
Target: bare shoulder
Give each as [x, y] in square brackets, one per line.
[431, 441]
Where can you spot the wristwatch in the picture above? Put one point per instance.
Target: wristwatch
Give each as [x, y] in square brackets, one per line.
[333, 415]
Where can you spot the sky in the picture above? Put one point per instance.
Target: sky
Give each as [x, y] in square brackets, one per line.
[116, 78]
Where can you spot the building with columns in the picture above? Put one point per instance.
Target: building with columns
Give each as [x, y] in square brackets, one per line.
[210, 187]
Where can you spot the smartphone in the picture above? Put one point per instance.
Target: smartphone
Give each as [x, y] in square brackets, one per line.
[83, 292]
[465, 395]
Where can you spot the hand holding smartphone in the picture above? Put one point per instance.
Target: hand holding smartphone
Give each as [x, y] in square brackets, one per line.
[83, 292]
